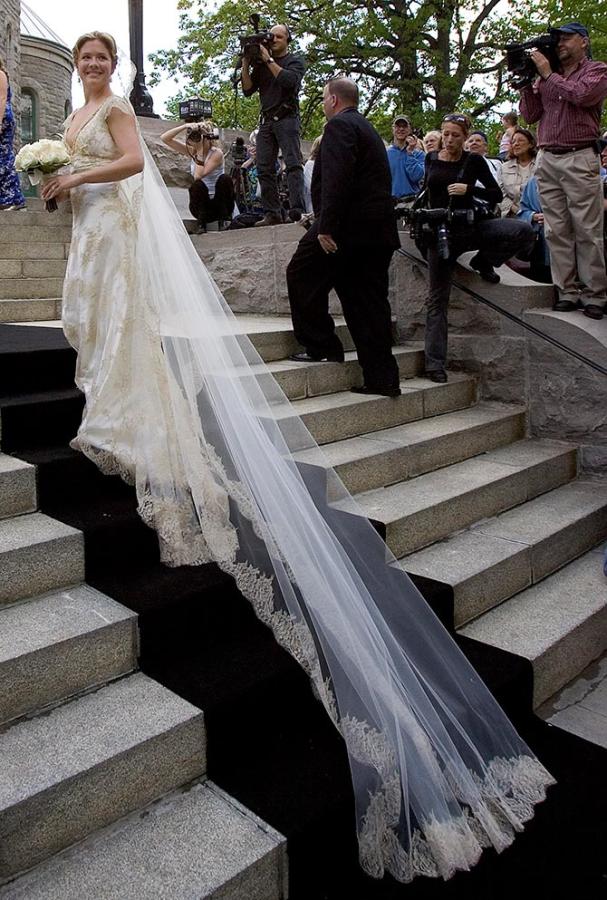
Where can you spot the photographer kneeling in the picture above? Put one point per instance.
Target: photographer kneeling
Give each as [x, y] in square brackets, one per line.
[454, 223]
[212, 193]
[277, 76]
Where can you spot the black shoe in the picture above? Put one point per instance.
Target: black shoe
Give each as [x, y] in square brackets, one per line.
[484, 269]
[269, 219]
[224, 224]
[437, 375]
[593, 311]
[381, 392]
[306, 357]
[294, 215]
[564, 305]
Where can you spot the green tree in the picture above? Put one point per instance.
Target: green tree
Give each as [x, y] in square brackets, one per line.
[419, 56]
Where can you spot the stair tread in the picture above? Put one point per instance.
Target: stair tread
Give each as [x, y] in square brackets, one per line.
[32, 528]
[471, 552]
[189, 844]
[56, 617]
[394, 502]
[538, 617]
[67, 393]
[418, 432]
[45, 751]
[10, 464]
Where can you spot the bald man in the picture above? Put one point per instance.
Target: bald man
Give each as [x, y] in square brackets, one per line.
[277, 77]
[348, 247]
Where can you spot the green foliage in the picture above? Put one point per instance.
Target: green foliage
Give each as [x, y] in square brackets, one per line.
[421, 57]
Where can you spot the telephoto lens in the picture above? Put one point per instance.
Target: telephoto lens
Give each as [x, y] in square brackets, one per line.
[442, 241]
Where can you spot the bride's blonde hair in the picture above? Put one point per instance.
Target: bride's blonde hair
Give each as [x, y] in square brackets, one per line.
[106, 39]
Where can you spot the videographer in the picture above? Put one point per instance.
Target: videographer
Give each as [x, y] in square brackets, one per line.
[451, 184]
[567, 105]
[277, 76]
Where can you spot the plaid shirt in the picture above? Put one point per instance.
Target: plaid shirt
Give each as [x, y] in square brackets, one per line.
[568, 107]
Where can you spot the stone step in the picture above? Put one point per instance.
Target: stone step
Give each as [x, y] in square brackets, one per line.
[31, 268]
[194, 843]
[300, 380]
[30, 310]
[426, 509]
[61, 644]
[385, 457]
[30, 288]
[335, 417]
[43, 234]
[36, 204]
[23, 250]
[500, 557]
[273, 338]
[10, 219]
[17, 487]
[87, 763]
[559, 625]
[37, 555]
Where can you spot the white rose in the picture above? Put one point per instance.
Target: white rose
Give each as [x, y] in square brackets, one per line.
[25, 159]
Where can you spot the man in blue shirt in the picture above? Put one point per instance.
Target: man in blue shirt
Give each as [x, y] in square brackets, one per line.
[406, 162]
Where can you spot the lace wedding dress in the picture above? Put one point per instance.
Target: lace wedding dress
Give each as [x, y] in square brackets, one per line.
[179, 403]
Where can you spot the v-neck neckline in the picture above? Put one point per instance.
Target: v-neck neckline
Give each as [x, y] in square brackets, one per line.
[72, 144]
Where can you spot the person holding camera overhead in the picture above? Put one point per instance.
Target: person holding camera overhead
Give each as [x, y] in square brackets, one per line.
[277, 76]
[455, 180]
[567, 105]
[212, 192]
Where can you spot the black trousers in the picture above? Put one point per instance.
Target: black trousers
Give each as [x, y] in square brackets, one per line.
[272, 137]
[497, 240]
[212, 209]
[359, 276]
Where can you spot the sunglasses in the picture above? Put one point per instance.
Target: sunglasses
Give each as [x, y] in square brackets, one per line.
[455, 117]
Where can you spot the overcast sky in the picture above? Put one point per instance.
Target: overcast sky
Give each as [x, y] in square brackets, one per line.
[71, 18]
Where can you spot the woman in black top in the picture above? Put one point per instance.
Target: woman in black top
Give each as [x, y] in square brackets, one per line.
[457, 179]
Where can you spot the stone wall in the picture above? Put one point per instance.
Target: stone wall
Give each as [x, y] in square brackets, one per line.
[46, 69]
[10, 51]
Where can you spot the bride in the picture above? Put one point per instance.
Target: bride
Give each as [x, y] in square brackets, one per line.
[179, 403]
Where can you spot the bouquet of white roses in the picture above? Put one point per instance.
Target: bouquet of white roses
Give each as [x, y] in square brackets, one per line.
[42, 158]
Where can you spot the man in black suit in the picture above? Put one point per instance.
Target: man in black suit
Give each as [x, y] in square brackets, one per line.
[348, 247]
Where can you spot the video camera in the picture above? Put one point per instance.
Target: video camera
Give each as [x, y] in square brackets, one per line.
[238, 151]
[520, 64]
[426, 224]
[250, 43]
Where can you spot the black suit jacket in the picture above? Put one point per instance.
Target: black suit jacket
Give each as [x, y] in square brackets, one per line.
[352, 186]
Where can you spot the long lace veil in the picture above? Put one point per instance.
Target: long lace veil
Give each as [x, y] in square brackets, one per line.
[231, 474]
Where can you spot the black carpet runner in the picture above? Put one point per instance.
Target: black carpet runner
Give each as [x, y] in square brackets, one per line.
[270, 743]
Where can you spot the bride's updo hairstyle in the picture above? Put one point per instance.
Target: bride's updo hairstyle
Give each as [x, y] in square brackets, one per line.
[106, 39]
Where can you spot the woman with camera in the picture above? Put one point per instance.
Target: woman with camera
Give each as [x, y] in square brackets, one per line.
[212, 193]
[460, 184]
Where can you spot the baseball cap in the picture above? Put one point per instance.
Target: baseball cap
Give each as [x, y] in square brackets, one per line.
[401, 119]
[572, 28]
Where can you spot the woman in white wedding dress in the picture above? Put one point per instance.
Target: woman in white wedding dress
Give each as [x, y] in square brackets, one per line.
[179, 403]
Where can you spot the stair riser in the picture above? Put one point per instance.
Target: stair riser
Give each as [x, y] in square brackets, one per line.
[17, 492]
[337, 424]
[37, 371]
[48, 822]
[402, 463]
[565, 660]
[31, 268]
[275, 345]
[30, 310]
[436, 522]
[38, 251]
[11, 219]
[43, 234]
[30, 288]
[40, 568]
[60, 671]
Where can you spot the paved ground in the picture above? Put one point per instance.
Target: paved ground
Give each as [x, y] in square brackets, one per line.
[581, 707]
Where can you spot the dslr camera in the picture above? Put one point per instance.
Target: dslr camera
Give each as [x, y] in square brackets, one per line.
[250, 43]
[518, 58]
[196, 134]
[428, 225]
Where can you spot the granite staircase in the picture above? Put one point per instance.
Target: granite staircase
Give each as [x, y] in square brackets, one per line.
[496, 529]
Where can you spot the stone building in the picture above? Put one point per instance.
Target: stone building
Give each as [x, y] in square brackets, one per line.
[40, 68]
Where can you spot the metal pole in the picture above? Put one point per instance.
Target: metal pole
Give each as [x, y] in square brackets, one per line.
[140, 98]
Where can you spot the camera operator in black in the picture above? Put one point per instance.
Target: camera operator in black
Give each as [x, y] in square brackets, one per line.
[451, 178]
[277, 77]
